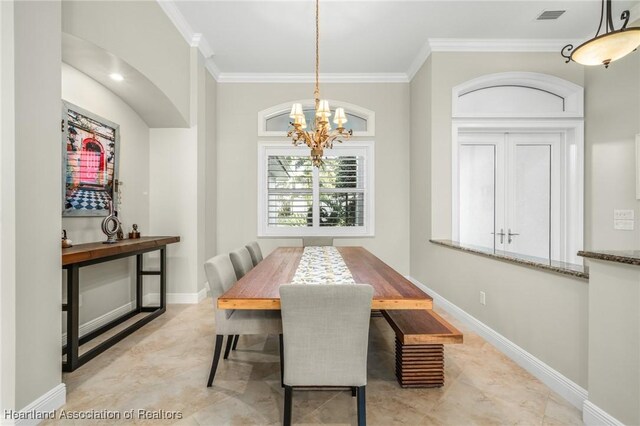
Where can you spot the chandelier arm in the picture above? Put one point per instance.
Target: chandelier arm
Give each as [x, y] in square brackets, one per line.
[566, 52]
[625, 17]
[601, 19]
[609, 18]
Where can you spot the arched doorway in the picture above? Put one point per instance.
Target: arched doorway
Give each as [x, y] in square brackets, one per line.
[92, 163]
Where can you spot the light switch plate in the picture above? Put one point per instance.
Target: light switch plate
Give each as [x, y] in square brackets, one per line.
[623, 215]
[623, 225]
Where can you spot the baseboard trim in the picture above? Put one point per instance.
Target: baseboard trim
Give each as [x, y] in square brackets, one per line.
[148, 299]
[43, 406]
[202, 294]
[176, 298]
[560, 384]
[592, 415]
[96, 323]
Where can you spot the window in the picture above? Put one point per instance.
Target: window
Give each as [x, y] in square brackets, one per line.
[518, 165]
[297, 199]
[274, 121]
[280, 121]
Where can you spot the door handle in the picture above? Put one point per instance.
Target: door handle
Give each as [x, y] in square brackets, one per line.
[501, 233]
[509, 235]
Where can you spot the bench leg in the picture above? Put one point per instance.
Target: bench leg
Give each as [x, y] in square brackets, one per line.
[419, 366]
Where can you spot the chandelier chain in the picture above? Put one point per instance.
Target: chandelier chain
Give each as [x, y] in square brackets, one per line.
[317, 91]
[320, 136]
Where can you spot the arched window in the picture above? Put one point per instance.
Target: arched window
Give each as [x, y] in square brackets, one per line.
[296, 199]
[274, 121]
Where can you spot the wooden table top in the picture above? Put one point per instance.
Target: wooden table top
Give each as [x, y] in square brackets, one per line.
[259, 288]
[91, 251]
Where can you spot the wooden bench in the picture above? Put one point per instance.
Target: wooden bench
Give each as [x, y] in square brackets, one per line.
[420, 339]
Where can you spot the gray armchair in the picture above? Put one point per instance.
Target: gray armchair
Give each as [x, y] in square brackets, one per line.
[326, 335]
[241, 260]
[254, 250]
[232, 323]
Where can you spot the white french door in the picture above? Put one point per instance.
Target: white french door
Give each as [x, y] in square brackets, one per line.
[509, 192]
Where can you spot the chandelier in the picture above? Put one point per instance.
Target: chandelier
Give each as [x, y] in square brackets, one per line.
[607, 47]
[320, 136]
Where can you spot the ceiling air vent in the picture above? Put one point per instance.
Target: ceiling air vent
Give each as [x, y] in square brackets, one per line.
[548, 15]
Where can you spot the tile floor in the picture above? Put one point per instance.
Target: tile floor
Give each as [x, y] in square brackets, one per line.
[165, 365]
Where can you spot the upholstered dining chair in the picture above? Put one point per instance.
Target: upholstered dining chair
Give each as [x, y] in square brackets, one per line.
[326, 335]
[254, 250]
[232, 323]
[317, 241]
[241, 260]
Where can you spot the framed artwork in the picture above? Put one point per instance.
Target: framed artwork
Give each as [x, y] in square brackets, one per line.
[90, 147]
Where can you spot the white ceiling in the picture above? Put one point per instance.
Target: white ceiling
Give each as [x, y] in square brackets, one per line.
[371, 37]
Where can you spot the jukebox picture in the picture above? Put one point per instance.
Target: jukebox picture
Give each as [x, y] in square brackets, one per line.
[90, 145]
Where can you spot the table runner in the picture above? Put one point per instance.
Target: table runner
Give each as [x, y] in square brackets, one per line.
[322, 265]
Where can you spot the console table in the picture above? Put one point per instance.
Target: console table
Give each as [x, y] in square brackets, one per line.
[76, 257]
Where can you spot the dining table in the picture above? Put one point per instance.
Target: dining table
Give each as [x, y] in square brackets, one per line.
[259, 288]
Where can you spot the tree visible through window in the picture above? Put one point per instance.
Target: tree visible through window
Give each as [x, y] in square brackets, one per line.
[329, 200]
[341, 192]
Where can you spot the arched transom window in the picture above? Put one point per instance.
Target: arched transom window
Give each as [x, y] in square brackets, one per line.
[275, 121]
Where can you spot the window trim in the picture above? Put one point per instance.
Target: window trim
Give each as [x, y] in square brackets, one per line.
[265, 114]
[266, 148]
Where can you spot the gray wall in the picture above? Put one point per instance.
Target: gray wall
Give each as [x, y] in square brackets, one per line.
[614, 339]
[7, 213]
[211, 87]
[237, 162]
[612, 119]
[37, 198]
[524, 305]
[420, 154]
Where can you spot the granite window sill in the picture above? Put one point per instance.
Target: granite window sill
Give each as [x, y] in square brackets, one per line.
[577, 271]
[628, 257]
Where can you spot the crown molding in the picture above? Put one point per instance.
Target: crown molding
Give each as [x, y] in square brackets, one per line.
[202, 44]
[310, 78]
[432, 45]
[177, 18]
[192, 38]
[486, 45]
[496, 45]
[213, 69]
[419, 60]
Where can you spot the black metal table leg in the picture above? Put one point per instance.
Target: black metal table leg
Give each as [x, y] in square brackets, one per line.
[73, 326]
[163, 277]
[139, 282]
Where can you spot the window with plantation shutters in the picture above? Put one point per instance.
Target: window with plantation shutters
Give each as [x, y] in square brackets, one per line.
[290, 191]
[297, 199]
[341, 182]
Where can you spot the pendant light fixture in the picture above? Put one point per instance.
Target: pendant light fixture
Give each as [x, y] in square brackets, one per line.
[320, 136]
[606, 47]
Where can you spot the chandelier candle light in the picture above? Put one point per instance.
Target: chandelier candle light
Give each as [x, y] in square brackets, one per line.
[607, 47]
[320, 136]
